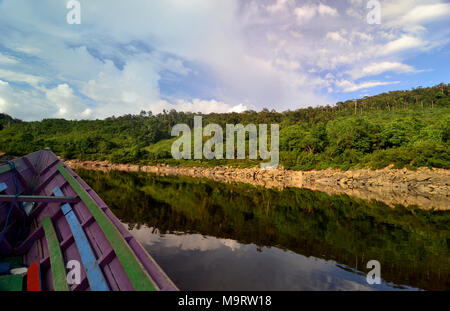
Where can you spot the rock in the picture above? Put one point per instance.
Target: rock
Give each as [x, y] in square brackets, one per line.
[425, 187]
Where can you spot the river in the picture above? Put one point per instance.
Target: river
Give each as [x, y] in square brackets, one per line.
[208, 235]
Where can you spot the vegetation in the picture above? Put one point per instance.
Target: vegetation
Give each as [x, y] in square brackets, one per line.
[6, 120]
[404, 128]
[411, 244]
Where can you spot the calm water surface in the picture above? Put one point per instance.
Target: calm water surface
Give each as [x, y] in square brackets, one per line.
[197, 262]
[213, 236]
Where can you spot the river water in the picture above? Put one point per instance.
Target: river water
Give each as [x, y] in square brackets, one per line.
[214, 236]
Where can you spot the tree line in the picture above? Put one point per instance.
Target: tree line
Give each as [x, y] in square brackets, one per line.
[405, 128]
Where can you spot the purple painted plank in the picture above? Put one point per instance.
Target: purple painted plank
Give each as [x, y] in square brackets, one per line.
[38, 199]
[30, 165]
[38, 171]
[30, 240]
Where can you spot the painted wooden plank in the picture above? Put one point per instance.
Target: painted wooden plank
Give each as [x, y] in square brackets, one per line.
[56, 258]
[6, 168]
[139, 278]
[95, 276]
[46, 182]
[30, 165]
[83, 286]
[38, 209]
[24, 182]
[45, 170]
[4, 244]
[34, 278]
[39, 198]
[11, 283]
[3, 187]
[38, 233]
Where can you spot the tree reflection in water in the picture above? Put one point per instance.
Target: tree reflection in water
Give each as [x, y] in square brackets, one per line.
[411, 244]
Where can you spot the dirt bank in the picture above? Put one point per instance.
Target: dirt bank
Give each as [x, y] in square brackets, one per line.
[426, 188]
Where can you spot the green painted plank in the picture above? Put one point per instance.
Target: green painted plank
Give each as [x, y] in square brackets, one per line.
[6, 168]
[135, 271]
[11, 283]
[56, 258]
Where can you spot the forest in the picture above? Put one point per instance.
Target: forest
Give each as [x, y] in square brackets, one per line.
[409, 128]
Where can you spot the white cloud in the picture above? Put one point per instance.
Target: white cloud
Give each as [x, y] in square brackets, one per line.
[336, 36]
[362, 36]
[412, 15]
[8, 60]
[356, 2]
[354, 13]
[374, 69]
[426, 13]
[349, 86]
[278, 6]
[223, 55]
[286, 64]
[403, 43]
[307, 12]
[130, 90]
[326, 10]
[207, 106]
[151, 236]
[27, 105]
[238, 108]
[68, 105]
[13, 76]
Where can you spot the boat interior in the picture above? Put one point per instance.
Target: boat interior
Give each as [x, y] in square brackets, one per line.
[58, 235]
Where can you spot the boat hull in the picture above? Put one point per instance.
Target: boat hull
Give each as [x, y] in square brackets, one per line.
[85, 229]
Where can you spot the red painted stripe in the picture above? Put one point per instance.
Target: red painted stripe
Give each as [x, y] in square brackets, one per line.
[34, 278]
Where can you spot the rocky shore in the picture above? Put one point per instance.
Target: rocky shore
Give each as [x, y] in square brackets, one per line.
[426, 188]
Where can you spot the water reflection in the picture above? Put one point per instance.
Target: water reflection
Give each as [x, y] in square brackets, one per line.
[213, 231]
[196, 262]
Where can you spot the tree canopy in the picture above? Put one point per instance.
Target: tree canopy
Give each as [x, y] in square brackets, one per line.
[405, 128]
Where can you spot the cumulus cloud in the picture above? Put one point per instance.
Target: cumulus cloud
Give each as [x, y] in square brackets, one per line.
[238, 108]
[26, 104]
[68, 105]
[218, 56]
[208, 106]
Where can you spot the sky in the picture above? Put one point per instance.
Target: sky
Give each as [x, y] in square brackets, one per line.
[213, 55]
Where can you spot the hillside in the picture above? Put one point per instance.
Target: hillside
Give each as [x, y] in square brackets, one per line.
[405, 128]
[6, 121]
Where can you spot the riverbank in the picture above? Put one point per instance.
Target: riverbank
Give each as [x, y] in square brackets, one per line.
[426, 188]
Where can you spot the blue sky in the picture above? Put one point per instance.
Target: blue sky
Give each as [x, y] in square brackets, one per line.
[213, 55]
